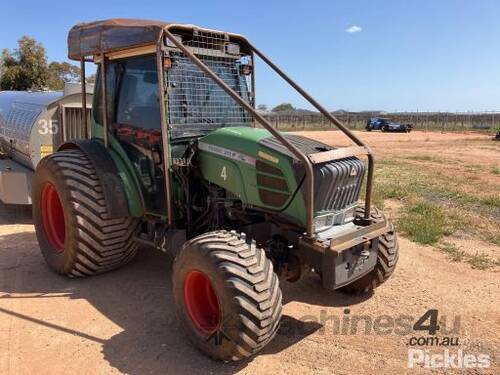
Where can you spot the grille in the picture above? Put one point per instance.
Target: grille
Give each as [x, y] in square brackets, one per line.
[337, 183]
[72, 123]
[197, 105]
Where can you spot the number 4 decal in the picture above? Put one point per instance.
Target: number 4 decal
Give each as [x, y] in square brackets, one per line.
[223, 173]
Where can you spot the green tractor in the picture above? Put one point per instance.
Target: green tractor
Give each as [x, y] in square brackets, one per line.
[178, 158]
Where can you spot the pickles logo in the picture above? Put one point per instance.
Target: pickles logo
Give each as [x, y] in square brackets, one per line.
[447, 359]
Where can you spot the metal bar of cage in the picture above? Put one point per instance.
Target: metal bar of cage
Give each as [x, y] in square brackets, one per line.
[333, 119]
[165, 133]
[249, 107]
[254, 93]
[268, 126]
[104, 100]
[299, 154]
[84, 97]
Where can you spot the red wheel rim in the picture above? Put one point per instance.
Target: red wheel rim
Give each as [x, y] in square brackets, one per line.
[53, 217]
[201, 302]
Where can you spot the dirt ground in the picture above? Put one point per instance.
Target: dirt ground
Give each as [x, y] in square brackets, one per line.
[468, 148]
[123, 321]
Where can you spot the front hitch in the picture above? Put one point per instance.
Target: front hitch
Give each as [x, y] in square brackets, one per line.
[346, 258]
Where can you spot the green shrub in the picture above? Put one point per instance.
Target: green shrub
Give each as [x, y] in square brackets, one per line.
[481, 261]
[424, 222]
[493, 201]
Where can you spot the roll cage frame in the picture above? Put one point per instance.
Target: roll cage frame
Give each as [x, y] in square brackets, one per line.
[308, 160]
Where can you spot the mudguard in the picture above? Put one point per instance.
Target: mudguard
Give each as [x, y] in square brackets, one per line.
[107, 172]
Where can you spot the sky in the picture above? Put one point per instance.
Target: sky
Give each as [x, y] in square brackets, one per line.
[392, 55]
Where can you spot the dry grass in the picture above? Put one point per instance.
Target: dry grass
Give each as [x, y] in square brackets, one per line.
[477, 261]
[412, 184]
[425, 222]
[435, 205]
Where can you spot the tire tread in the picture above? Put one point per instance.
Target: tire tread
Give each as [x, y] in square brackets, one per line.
[100, 243]
[249, 274]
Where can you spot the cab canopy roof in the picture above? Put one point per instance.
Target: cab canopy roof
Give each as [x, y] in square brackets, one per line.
[90, 39]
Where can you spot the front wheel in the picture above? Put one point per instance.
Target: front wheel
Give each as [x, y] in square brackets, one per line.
[387, 258]
[226, 294]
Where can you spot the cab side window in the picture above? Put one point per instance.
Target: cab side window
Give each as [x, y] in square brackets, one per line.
[138, 103]
[132, 93]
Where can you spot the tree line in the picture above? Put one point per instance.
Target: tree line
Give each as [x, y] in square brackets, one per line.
[284, 107]
[27, 68]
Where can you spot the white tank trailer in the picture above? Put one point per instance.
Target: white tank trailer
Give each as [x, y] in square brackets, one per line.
[33, 125]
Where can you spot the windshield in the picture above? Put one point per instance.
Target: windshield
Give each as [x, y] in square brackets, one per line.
[197, 104]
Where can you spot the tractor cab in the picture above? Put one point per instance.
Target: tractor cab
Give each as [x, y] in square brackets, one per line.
[193, 103]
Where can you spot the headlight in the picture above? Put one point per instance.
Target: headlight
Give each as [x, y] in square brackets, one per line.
[349, 214]
[338, 218]
[323, 222]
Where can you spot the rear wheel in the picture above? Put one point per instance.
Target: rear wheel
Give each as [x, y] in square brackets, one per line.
[75, 233]
[226, 294]
[387, 258]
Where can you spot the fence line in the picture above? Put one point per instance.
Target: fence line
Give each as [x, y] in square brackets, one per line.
[420, 120]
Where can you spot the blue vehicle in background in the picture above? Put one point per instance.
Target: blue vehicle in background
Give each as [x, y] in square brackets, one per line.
[385, 124]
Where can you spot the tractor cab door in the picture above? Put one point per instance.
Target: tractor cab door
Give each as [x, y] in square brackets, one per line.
[134, 111]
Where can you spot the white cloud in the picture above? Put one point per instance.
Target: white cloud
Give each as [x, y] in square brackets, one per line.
[353, 29]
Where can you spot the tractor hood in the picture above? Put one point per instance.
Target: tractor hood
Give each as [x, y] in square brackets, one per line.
[253, 165]
[255, 143]
[236, 159]
[240, 139]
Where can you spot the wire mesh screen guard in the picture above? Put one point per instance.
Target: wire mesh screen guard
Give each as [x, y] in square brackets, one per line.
[196, 103]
